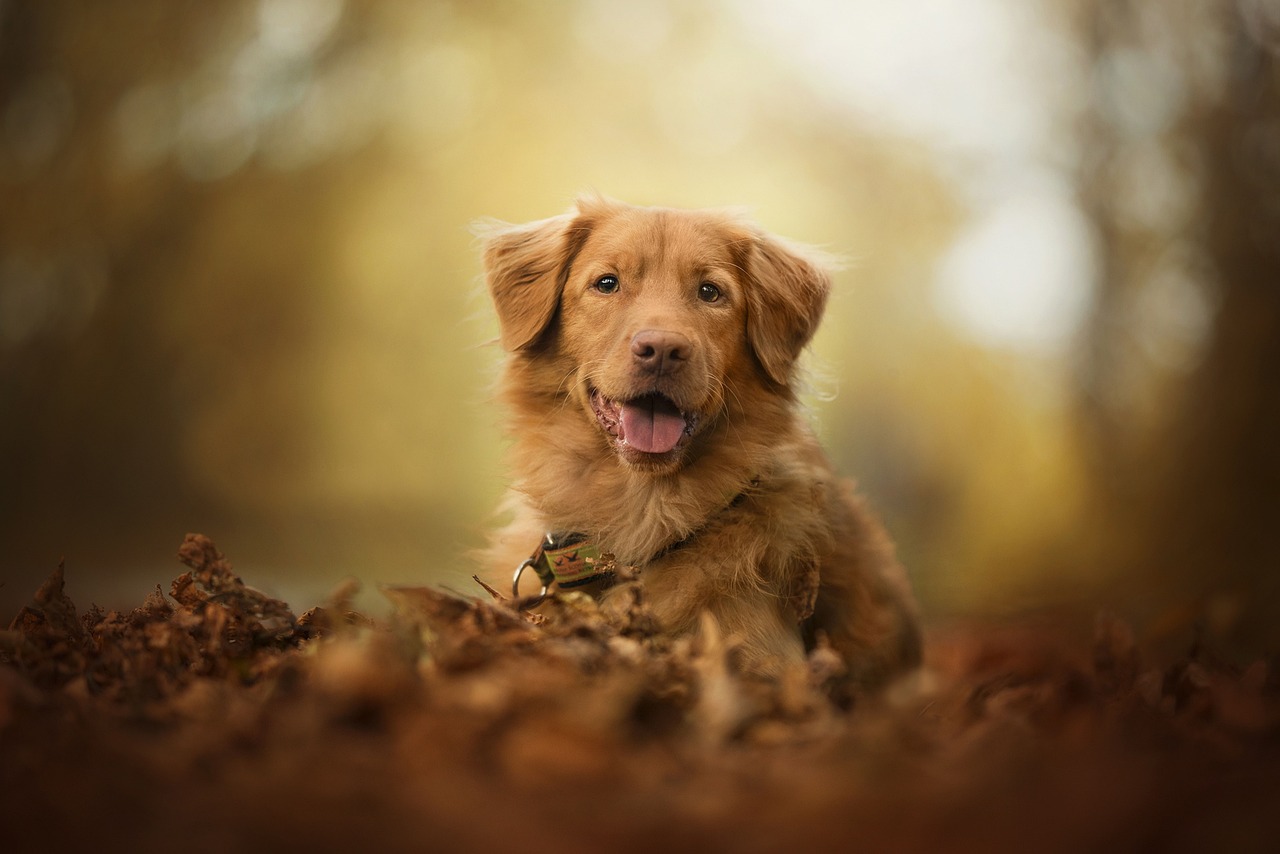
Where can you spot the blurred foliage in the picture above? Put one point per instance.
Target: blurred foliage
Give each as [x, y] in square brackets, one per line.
[1180, 389]
[238, 292]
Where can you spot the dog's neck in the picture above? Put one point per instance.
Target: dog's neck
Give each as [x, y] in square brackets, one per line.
[575, 483]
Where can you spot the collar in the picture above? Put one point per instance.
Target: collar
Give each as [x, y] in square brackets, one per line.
[571, 560]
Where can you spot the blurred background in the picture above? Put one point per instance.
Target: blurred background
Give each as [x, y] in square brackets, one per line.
[239, 295]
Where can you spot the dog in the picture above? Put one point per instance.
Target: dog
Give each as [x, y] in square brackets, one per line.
[651, 378]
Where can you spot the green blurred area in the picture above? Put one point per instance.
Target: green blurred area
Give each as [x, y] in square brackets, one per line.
[239, 296]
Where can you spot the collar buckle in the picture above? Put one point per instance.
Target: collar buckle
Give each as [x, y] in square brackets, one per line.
[564, 559]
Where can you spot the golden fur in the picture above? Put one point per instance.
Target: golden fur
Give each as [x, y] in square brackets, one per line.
[706, 314]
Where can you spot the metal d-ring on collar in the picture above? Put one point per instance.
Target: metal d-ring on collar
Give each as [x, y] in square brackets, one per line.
[515, 583]
[525, 564]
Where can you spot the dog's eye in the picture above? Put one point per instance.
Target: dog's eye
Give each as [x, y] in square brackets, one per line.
[708, 292]
[606, 284]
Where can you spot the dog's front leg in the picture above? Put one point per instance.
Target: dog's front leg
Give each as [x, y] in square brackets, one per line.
[761, 629]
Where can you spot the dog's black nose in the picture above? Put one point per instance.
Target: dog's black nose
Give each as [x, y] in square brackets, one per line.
[659, 351]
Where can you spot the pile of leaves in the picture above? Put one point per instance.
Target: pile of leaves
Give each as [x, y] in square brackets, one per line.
[216, 719]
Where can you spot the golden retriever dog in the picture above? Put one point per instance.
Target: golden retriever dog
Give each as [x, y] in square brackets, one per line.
[652, 385]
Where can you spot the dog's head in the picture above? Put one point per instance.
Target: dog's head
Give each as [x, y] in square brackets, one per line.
[655, 320]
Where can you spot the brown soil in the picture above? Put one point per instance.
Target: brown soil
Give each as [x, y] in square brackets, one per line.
[214, 719]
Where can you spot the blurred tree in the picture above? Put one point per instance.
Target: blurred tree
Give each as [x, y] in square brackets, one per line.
[1186, 461]
[97, 374]
[56, 323]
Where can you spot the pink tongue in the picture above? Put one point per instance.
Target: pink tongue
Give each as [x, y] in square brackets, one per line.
[652, 425]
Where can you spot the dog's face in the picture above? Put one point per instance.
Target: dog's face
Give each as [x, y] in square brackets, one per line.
[654, 323]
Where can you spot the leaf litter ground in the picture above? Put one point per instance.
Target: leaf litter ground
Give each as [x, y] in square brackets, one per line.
[213, 718]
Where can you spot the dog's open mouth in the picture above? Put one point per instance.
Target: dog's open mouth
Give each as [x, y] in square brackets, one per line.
[650, 424]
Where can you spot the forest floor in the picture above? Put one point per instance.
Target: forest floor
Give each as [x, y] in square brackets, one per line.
[215, 719]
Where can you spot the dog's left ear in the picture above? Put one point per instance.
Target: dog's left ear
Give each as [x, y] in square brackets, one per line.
[525, 267]
[788, 293]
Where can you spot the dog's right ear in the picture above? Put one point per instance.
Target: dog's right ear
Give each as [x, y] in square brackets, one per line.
[526, 267]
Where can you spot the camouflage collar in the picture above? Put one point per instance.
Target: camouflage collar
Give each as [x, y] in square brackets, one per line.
[571, 560]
